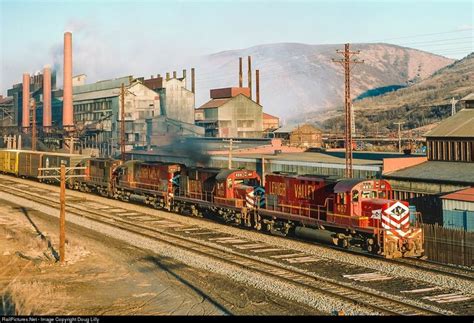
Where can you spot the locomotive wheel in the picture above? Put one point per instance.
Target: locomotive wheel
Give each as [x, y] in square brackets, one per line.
[343, 243]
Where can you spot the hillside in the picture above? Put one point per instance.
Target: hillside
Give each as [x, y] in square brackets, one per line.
[298, 78]
[418, 105]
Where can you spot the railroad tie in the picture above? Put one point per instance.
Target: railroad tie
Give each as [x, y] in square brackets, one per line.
[367, 277]
[448, 298]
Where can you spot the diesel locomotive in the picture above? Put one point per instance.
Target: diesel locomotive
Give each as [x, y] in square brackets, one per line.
[343, 212]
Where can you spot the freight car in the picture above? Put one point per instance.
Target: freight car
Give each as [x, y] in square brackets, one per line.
[9, 162]
[25, 163]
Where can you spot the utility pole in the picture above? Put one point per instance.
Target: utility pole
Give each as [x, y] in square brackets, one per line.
[122, 123]
[346, 62]
[62, 213]
[62, 178]
[399, 136]
[72, 141]
[453, 106]
[33, 124]
[230, 146]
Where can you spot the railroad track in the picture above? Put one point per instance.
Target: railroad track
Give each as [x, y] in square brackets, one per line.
[354, 295]
[431, 266]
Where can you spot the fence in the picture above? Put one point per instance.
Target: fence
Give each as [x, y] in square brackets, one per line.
[450, 246]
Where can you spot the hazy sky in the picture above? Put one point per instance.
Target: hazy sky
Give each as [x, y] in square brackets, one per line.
[115, 38]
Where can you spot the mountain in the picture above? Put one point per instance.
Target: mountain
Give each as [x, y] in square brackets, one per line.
[296, 79]
[418, 105]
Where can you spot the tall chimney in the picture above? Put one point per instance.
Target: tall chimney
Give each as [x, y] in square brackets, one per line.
[47, 98]
[167, 76]
[250, 75]
[257, 85]
[174, 74]
[68, 117]
[240, 72]
[25, 121]
[184, 78]
[193, 81]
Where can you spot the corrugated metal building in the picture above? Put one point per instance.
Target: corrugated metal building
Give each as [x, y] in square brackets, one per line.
[453, 139]
[7, 112]
[458, 209]
[97, 110]
[450, 166]
[177, 102]
[231, 113]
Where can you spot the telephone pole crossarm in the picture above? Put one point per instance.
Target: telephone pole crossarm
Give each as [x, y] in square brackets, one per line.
[230, 146]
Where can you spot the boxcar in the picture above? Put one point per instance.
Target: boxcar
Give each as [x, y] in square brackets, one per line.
[53, 160]
[9, 161]
[28, 163]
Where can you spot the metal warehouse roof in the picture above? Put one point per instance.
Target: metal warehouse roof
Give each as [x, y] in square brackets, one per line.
[462, 195]
[310, 157]
[214, 103]
[468, 97]
[96, 95]
[269, 116]
[291, 128]
[459, 125]
[437, 171]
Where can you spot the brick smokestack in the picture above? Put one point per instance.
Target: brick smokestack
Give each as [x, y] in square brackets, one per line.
[257, 85]
[174, 74]
[240, 72]
[193, 81]
[25, 121]
[68, 117]
[47, 98]
[250, 75]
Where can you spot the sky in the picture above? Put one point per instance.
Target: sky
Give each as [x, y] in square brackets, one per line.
[113, 38]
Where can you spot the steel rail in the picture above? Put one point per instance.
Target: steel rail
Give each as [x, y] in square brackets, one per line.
[377, 302]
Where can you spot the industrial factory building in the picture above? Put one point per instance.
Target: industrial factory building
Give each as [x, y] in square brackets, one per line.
[231, 113]
[450, 165]
[7, 112]
[41, 87]
[176, 100]
[97, 110]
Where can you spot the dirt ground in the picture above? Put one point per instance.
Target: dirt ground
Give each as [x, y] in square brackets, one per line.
[104, 276]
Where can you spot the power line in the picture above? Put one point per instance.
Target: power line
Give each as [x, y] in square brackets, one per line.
[422, 35]
[437, 40]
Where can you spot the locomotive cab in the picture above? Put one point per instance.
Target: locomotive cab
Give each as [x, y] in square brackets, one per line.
[237, 188]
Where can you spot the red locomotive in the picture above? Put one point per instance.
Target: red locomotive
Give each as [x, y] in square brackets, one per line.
[352, 212]
[343, 212]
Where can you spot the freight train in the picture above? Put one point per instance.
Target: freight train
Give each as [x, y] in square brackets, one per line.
[344, 212]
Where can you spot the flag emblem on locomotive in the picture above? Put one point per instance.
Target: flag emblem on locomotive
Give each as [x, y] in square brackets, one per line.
[396, 219]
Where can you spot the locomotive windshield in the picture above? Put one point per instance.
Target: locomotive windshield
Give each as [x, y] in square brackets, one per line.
[248, 182]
